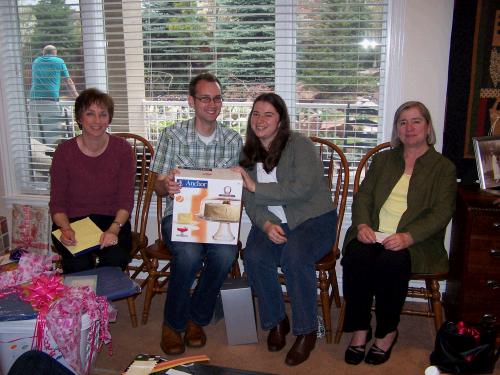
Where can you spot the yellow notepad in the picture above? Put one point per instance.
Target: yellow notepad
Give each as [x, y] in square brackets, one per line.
[87, 236]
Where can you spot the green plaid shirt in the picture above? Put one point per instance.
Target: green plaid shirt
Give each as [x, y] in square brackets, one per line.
[180, 146]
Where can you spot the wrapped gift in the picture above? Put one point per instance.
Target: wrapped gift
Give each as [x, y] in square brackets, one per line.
[4, 235]
[72, 321]
[30, 228]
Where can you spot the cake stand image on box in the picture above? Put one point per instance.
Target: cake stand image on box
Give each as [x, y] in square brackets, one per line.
[224, 209]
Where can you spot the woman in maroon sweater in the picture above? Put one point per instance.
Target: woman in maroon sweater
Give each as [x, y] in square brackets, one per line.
[93, 175]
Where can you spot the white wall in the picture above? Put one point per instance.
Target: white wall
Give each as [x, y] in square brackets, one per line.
[428, 26]
[417, 70]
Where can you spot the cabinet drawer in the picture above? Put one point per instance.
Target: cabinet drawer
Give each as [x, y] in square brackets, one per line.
[486, 224]
[482, 286]
[484, 253]
[473, 309]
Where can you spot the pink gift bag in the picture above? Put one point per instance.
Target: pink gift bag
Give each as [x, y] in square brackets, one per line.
[30, 228]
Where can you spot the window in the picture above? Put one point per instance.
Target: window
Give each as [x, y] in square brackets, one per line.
[326, 58]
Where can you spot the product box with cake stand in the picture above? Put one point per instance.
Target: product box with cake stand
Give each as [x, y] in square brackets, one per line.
[208, 207]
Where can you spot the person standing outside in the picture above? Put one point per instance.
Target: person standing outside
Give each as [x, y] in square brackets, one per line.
[200, 142]
[47, 72]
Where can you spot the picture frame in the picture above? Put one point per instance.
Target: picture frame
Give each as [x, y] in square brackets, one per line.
[487, 154]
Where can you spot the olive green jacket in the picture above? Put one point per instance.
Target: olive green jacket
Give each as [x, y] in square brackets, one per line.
[431, 204]
[301, 189]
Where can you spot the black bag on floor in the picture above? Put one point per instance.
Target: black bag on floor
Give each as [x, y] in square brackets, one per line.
[463, 348]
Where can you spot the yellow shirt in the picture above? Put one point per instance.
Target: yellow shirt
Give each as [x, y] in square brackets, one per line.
[395, 206]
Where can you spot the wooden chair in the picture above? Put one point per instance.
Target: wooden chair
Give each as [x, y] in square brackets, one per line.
[144, 154]
[431, 290]
[337, 173]
[157, 257]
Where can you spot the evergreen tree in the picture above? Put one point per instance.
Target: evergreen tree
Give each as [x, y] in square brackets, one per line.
[176, 47]
[245, 46]
[55, 24]
[333, 45]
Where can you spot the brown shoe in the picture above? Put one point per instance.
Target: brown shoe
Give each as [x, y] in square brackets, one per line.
[194, 337]
[277, 335]
[301, 349]
[171, 341]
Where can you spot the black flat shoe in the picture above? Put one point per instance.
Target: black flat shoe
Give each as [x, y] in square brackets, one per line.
[377, 356]
[356, 353]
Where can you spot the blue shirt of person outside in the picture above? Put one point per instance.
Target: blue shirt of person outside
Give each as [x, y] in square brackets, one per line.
[46, 73]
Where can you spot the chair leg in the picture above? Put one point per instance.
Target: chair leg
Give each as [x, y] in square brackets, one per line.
[235, 270]
[325, 305]
[335, 288]
[340, 323]
[437, 307]
[131, 310]
[148, 298]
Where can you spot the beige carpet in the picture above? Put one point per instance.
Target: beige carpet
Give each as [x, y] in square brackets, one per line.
[410, 355]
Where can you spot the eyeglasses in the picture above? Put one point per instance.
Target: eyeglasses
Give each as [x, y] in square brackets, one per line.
[207, 99]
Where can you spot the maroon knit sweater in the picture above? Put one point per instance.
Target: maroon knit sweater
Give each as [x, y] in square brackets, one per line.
[82, 185]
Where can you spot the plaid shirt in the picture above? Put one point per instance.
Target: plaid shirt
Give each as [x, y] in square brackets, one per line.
[180, 146]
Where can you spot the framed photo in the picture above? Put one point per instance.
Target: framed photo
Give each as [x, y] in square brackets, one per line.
[487, 152]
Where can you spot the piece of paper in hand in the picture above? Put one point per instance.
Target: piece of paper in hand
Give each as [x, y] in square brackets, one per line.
[380, 236]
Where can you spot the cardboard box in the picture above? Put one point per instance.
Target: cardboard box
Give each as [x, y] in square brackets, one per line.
[239, 312]
[208, 207]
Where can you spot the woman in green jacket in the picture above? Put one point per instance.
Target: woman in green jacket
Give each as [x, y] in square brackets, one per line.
[399, 218]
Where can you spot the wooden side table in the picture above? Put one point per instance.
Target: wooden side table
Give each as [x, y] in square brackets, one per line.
[473, 287]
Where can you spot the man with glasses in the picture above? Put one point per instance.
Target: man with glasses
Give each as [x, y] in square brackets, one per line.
[200, 142]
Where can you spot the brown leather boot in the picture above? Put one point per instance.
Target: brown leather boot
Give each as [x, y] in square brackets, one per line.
[301, 349]
[277, 335]
[171, 341]
[195, 336]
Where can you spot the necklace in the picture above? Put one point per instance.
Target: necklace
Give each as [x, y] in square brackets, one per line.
[91, 148]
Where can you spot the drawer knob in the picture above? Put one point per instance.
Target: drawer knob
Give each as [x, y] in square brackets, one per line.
[496, 225]
[493, 284]
[495, 253]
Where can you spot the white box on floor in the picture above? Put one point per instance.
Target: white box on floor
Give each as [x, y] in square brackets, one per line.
[16, 338]
[239, 312]
[208, 207]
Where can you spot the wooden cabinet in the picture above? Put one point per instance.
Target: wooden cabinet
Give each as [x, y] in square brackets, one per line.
[473, 287]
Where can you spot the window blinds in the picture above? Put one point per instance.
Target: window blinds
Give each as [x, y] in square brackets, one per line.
[326, 58]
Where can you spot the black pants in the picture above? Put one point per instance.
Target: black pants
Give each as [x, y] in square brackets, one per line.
[372, 271]
[36, 362]
[114, 256]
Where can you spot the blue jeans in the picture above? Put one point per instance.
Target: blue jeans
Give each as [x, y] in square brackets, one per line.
[305, 245]
[189, 258]
[48, 122]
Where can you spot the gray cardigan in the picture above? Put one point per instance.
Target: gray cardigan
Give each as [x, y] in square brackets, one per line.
[431, 204]
[301, 189]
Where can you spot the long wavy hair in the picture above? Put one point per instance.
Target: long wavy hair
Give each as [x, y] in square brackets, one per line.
[253, 150]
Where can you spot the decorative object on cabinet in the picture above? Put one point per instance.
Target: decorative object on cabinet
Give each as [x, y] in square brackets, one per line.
[487, 151]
